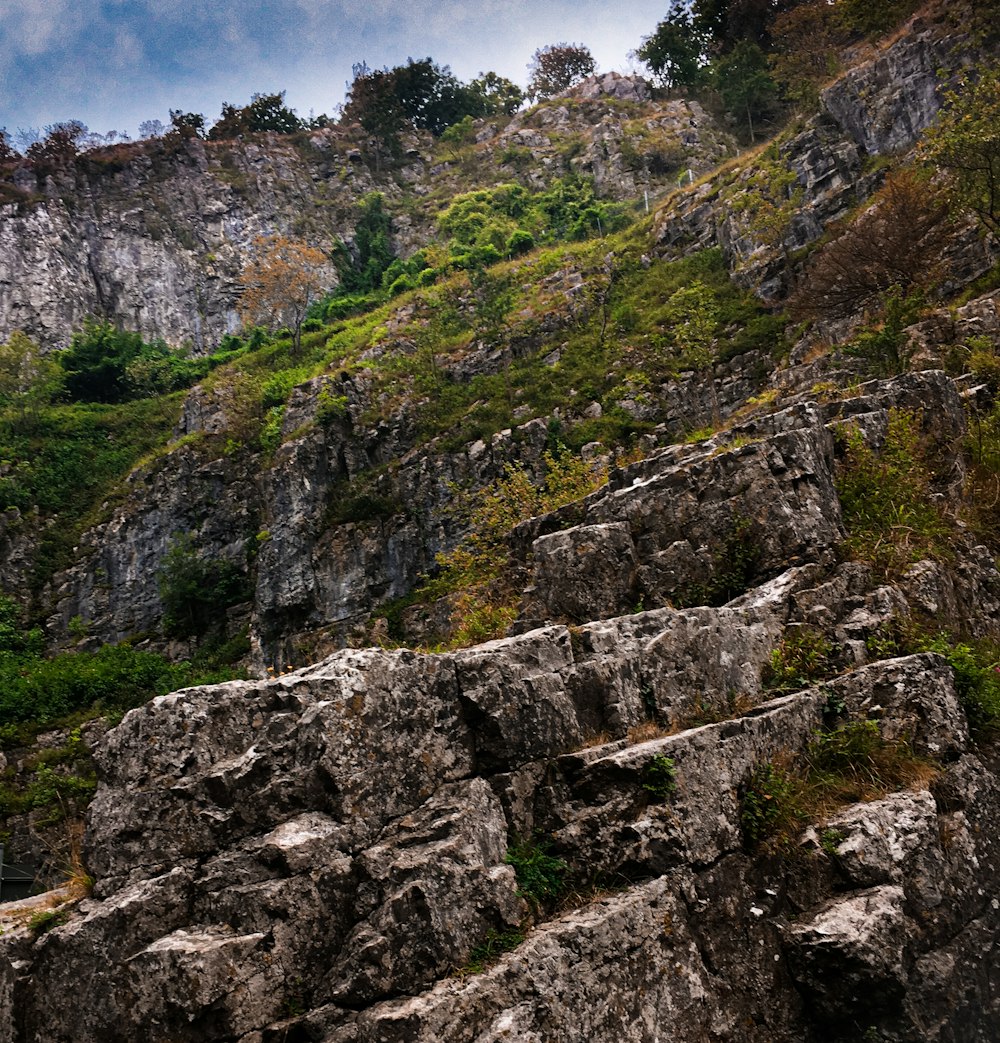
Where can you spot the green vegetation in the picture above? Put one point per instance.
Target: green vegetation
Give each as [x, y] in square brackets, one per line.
[803, 657]
[47, 919]
[659, 778]
[891, 515]
[491, 948]
[195, 591]
[734, 566]
[976, 664]
[106, 364]
[851, 763]
[37, 691]
[477, 573]
[70, 459]
[977, 681]
[541, 877]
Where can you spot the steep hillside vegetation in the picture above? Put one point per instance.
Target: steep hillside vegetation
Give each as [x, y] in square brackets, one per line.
[602, 607]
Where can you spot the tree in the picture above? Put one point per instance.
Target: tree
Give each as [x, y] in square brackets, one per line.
[187, 124]
[195, 591]
[373, 253]
[280, 282]
[59, 147]
[151, 129]
[965, 141]
[729, 22]
[27, 378]
[677, 50]
[874, 19]
[554, 69]
[372, 103]
[266, 112]
[745, 85]
[805, 42]
[7, 152]
[497, 95]
[96, 362]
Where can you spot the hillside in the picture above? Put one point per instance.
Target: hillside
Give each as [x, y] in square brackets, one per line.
[595, 638]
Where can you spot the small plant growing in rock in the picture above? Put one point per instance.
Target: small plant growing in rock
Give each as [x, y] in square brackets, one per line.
[659, 778]
[830, 840]
[804, 656]
[491, 948]
[770, 802]
[541, 877]
[46, 919]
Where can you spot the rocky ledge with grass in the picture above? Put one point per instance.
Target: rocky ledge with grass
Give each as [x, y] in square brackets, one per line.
[657, 808]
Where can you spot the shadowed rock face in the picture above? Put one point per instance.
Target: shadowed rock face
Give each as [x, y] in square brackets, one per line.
[318, 856]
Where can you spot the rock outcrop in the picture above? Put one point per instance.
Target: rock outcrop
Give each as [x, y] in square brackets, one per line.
[325, 855]
[182, 214]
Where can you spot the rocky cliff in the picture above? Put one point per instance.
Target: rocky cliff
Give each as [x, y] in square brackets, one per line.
[326, 855]
[180, 215]
[730, 774]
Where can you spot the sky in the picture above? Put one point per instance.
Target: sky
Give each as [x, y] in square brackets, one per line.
[114, 63]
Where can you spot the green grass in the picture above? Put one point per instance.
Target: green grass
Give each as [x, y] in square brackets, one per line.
[890, 513]
[848, 764]
[70, 458]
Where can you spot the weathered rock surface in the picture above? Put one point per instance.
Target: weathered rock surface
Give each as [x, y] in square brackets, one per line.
[182, 214]
[315, 854]
[879, 108]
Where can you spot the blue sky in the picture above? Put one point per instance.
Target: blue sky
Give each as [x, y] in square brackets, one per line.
[114, 63]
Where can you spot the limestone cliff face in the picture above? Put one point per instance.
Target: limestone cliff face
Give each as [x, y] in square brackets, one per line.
[318, 856]
[332, 854]
[154, 235]
[874, 112]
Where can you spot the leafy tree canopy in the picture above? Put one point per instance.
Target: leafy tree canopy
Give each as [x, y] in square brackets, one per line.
[187, 124]
[556, 68]
[266, 112]
[419, 94]
[677, 50]
[497, 95]
[965, 141]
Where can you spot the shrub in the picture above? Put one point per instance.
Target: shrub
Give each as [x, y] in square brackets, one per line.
[195, 591]
[770, 803]
[893, 250]
[891, 517]
[520, 242]
[977, 681]
[97, 365]
[851, 763]
[541, 877]
[659, 778]
[803, 657]
[493, 946]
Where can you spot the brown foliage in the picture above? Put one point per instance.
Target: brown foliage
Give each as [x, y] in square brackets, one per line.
[897, 243]
[280, 283]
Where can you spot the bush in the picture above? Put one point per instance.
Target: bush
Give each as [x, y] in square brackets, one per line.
[520, 242]
[541, 877]
[659, 778]
[893, 249]
[802, 658]
[977, 681]
[770, 803]
[891, 517]
[107, 364]
[195, 591]
[117, 677]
